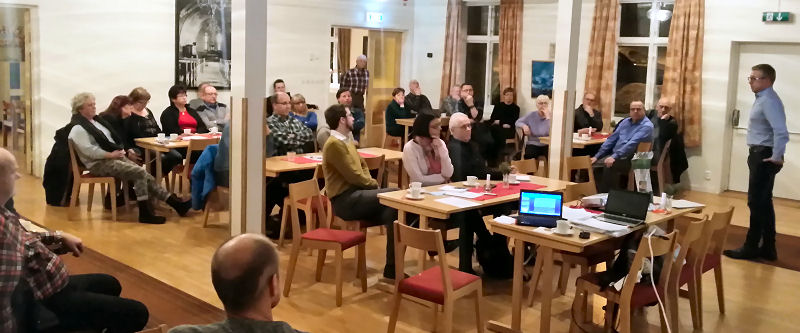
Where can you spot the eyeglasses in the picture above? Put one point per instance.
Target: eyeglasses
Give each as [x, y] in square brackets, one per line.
[753, 78]
[284, 103]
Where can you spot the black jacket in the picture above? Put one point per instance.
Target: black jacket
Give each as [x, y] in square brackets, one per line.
[583, 120]
[417, 103]
[663, 131]
[137, 126]
[169, 120]
[467, 161]
[57, 179]
[118, 126]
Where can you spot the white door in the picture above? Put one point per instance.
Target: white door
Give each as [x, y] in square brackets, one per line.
[784, 58]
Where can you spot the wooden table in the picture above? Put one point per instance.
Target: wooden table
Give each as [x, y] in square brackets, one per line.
[409, 122]
[429, 208]
[275, 165]
[150, 144]
[548, 243]
[580, 144]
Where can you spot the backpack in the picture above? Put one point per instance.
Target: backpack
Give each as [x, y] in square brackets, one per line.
[494, 257]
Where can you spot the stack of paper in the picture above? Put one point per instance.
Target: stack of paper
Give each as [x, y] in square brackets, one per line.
[575, 214]
[456, 202]
[686, 204]
[594, 225]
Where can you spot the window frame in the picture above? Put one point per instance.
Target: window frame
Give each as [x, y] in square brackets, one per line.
[490, 40]
[653, 42]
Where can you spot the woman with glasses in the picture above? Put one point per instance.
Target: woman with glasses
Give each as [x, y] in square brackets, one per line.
[425, 156]
[178, 116]
[300, 112]
[535, 125]
[142, 124]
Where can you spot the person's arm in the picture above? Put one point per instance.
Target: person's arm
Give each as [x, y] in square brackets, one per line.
[580, 120]
[83, 144]
[302, 132]
[642, 133]
[201, 125]
[312, 121]
[776, 117]
[412, 161]
[444, 159]
[607, 146]
[522, 122]
[514, 115]
[337, 155]
[279, 133]
[347, 80]
[456, 159]
[597, 120]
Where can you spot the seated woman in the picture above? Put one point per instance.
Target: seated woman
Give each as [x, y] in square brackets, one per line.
[396, 110]
[115, 114]
[300, 112]
[142, 124]
[502, 120]
[178, 116]
[425, 157]
[535, 125]
[100, 150]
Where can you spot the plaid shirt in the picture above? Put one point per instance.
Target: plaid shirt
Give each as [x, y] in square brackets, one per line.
[356, 80]
[288, 134]
[23, 254]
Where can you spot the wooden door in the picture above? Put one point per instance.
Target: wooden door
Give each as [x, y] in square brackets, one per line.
[384, 54]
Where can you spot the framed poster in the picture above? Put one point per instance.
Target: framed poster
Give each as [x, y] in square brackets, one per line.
[542, 78]
[203, 43]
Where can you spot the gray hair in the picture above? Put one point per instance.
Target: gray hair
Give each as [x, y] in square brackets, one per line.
[299, 96]
[362, 57]
[456, 119]
[79, 100]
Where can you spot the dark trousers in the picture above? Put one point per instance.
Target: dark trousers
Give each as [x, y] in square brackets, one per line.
[364, 205]
[609, 177]
[469, 224]
[534, 151]
[91, 301]
[358, 100]
[759, 198]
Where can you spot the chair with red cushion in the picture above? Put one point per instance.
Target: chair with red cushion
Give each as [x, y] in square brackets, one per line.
[323, 239]
[309, 207]
[707, 255]
[440, 285]
[632, 294]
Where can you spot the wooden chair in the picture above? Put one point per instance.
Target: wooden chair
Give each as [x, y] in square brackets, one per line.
[219, 198]
[373, 163]
[662, 168]
[632, 294]
[704, 257]
[440, 285]
[389, 142]
[79, 178]
[323, 239]
[578, 164]
[184, 171]
[160, 329]
[527, 167]
[308, 207]
[643, 147]
[689, 229]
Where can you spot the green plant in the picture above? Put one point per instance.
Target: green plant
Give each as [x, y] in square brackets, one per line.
[505, 168]
[671, 189]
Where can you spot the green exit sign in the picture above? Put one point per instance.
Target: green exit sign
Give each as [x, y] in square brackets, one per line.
[776, 17]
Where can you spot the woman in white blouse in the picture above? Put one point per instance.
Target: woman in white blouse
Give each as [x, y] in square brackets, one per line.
[425, 156]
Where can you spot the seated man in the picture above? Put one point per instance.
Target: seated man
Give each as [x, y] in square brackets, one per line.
[614, 157]
[415, 101]
[353, 191]
[244, 271]
[212, 113]
[665, 128]
[80, 302]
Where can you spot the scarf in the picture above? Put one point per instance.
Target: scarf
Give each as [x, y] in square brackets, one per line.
[98, 135]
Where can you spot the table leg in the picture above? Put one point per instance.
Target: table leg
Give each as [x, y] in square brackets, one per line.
[516, 294]
[159, 176]
[404, 138]
[401, 172]
[423, 225]
[547, 287]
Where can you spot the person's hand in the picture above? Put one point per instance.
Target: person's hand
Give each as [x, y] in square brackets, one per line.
[133, 156]
[609, 161]
[72, 244]
[526, 130]
[583, 131]
[514, 169]
[773, 161]
[474, 113]
[506, 126]
[469, 100]
[115, 154]
[593, 159]
[496, 122]
[665, 116]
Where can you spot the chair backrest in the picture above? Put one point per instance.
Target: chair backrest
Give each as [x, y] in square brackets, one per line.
[198, 145]
[577, 191]
[524, 166]
[713, 239]
[644, 147]
[664, 154]
[660, 245]
[77, 168]
[426, 240]
[690, 229]
[160, 329]
[377, 163]
[577, 163]
[308, 190]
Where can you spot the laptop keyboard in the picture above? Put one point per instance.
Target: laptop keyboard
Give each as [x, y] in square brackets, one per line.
[606, 217]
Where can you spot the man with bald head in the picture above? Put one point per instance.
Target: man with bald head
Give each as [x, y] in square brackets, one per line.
[614, 157]
[357, 80]
[415, 101]
[665, 129]
[244, 271]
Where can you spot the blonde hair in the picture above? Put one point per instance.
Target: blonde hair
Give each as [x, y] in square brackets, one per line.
[139, 94]
[79, 100]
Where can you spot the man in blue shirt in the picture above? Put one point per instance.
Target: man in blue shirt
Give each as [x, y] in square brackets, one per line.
[614, 157]
[767, 137]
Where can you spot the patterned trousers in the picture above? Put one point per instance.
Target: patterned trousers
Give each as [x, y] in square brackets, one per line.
[125, 170]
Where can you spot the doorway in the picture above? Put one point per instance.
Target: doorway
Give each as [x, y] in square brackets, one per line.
[784, 57]
[15, 84]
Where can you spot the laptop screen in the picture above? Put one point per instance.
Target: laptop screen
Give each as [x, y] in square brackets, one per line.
[628, 204]
[540, 203]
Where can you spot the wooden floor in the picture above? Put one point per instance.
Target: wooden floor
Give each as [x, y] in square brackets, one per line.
[759, 298]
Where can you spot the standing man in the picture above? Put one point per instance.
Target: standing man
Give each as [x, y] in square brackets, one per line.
[767, 137]
[357, 80]
[415, 100]
[212, 113]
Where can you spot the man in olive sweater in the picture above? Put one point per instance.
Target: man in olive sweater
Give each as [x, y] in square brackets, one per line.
[353, 191]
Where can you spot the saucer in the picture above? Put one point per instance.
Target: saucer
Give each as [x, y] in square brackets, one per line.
[408, 196]
[568, 233]
[516, 182]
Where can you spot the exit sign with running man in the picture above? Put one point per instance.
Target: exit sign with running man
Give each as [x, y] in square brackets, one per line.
[775, 17]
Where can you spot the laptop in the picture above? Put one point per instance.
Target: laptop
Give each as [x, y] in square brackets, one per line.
[626, 208]
[539, 209]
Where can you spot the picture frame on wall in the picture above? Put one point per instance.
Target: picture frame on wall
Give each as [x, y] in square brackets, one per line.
[203, 43]
[542, 72]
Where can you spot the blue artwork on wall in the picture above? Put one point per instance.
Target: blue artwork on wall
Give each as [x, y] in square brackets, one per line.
[542, 78]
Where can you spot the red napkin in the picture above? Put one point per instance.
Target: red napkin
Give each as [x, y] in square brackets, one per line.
[365, 155]
[599, 136]
[501, 192]
[301, 160]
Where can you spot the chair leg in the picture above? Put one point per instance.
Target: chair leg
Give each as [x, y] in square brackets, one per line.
[478, 315]
[73, 201]
[436, 309]
[395, 311]
[699, 292]
[537, 272]
[287, 285]
[609, 317]
[113, 189]
[206, 212]
[578, 308]
[339, 277]
[720, 290]
[448, 315]
[672, 304]
[563, 278]
[624, 320]
[362, 265]
[320, 262]
[287, 207]
[91, 197]
[693, 302]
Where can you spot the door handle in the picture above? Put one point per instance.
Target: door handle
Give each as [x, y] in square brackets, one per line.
[735, 118]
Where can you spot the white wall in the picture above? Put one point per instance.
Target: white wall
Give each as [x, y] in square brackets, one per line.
[729, 21]
[430, 18]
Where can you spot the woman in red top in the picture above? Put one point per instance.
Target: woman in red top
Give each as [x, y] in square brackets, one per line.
[179, 116]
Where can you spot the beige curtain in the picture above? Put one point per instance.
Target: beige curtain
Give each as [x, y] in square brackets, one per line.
[453, 47]
[510, 42]
[602, 54]
[343, 51]
[683, 68]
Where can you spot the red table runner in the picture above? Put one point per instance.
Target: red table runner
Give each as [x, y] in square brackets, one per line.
[365, 155]
[501, 192]
[301, 160]
[599, 136]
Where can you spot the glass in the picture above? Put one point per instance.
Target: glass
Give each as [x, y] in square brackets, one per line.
[496, 18]
[477, 20]
[475, 69]
[631, 77]
[634, 21]
[505, 180]
[663, 26]
[495, 82]
[660, 65]
[290, 156]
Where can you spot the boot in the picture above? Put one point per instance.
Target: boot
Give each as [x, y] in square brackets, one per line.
[107, 200]
[147, 215]
[181, 207]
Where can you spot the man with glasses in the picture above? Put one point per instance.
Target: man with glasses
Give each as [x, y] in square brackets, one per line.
[212, 113]
[614, 157]
[767, 137]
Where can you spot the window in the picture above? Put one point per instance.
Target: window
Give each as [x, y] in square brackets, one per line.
[483, 27]
[641, 52]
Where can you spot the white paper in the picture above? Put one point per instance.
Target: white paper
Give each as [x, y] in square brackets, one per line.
[505, 219]
[544, 230]
[456, 202]
[600, 226]
[523, 177]
[575, 214]
[686, 204]
[450, 188]
[194, 137]
[463, 194]
[437, 193]
[315, 157]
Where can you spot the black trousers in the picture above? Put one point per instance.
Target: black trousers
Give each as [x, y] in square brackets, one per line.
[759, 198]
[91, 301]
[534, 151]
[469, 224]
[364, 205]
[609, 177]
[358, 100]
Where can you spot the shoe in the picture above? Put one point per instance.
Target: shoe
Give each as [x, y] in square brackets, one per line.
[389, 274]
[107, 201]
[743, 252]
[449, 246]
[181, 207]
[146, 214]
[768, 253]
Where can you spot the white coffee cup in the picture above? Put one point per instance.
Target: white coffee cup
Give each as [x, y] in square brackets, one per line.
[585, 136]
[173, 137]
[415, 192]
[575, 135]
[161, 137]
[562, 226]
[472, 180]
[213, 129]
[187, 131]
